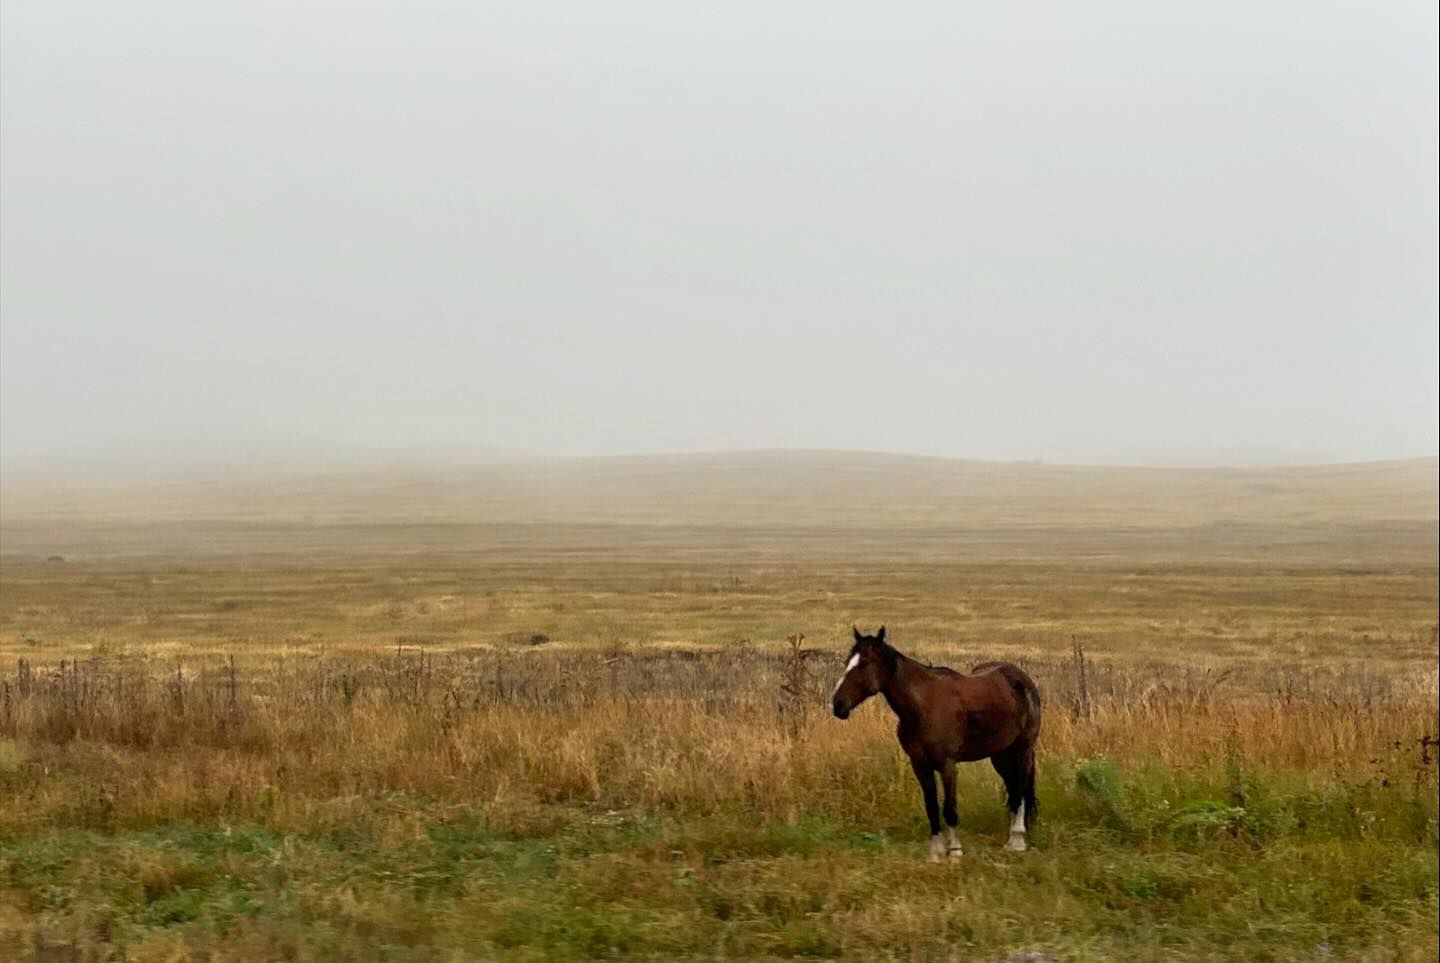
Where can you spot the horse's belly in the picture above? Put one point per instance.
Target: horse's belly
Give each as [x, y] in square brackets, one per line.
[974, 753]
[984, 736]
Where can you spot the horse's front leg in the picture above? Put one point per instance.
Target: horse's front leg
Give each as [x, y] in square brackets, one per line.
[925, 773]
[952, 816]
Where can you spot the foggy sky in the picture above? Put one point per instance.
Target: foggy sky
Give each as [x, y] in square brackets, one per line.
[1055, 230]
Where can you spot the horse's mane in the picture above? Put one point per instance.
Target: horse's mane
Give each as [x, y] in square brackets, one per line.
[941, 669]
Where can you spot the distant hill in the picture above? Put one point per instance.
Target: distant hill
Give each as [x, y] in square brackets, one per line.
[784, 489]
[1226, 458]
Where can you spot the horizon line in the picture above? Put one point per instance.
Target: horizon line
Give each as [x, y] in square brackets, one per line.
[42, 469]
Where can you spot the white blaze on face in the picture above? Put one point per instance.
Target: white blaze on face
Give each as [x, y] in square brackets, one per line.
[854, 661]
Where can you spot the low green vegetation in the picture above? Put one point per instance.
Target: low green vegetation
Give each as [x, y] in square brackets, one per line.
[1134, 863]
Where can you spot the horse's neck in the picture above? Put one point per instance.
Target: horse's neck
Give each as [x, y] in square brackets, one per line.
[900, 692]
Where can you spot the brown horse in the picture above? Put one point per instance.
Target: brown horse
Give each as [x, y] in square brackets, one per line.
[945, 717]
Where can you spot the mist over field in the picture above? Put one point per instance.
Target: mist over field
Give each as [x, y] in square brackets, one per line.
[1146, 233]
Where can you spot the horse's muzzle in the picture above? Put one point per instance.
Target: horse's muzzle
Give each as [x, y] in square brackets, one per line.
[842, 711]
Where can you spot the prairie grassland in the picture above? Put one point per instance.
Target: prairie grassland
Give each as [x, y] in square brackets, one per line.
[585, 739]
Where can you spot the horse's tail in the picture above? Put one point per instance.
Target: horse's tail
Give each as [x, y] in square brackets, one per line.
[1032, 805]
[1031, 693]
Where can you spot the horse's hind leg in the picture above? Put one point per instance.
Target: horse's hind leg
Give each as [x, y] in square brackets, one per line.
[1017, 767]
[952, 817]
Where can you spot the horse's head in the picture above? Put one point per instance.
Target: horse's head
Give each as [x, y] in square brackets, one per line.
[871, 664]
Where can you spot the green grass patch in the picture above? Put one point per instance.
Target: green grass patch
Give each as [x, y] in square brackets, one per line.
[1138, 863]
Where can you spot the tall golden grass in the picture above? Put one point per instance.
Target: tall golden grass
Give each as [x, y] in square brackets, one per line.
[686, 731]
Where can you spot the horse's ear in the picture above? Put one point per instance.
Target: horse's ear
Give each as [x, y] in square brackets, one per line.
[856, 630]
[881, 634]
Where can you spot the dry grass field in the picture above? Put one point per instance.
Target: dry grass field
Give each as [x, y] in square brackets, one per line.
[547, 710]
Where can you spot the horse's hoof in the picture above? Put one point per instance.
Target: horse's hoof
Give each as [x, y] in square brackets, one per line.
[1016, 844]
[936, 858]
[956, 854]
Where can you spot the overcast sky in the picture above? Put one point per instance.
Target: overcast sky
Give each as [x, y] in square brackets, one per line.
[1053, 230]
